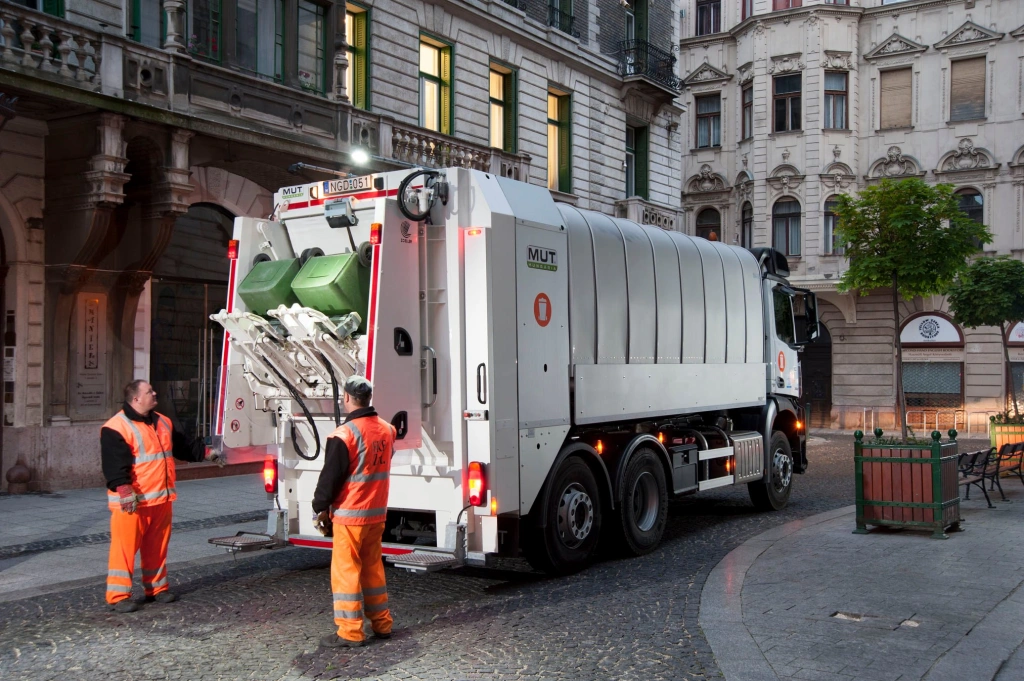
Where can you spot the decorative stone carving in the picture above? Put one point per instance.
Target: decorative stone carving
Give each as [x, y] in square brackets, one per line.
[836, 152]
[893, 45]
[837, 176]
[786, 63]
[759, 27]
[894, 165]
[706, 73]
[785, 179]
[969, 33]
[966, 157]
[746, 73]
[706, 181]
[838, 61]
[1019, 33]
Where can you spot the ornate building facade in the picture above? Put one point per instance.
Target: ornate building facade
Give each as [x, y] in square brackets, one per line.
[791, 103]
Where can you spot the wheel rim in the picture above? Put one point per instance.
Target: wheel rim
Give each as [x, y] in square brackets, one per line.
[575, 515]
[782, 470]
[645, 501]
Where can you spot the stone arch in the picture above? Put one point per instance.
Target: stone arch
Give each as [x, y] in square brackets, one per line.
[706, 181]
[837, 168]
[966, 157]
[1018, 156]
[234, 193]
[743, 177]
[895, 164]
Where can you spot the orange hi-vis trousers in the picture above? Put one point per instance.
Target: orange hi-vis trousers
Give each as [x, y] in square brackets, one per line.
[148, 529]
[357, 574]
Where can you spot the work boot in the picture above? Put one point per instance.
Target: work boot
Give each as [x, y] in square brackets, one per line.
[162, 597]
[335, 641]
[126, 605]
[381, 635]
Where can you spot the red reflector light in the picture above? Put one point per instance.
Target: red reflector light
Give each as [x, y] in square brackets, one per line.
[233, 249]
[476, 483]
[474, 232]
[270, 475]
[375, 233]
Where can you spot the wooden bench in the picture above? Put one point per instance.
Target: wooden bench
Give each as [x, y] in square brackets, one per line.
[1008, 460]
[978, 468]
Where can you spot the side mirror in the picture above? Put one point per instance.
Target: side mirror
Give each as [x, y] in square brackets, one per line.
[813, 324]
[805, 306]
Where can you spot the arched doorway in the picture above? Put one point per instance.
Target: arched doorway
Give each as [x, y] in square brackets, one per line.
[817, 368]
[189, 284]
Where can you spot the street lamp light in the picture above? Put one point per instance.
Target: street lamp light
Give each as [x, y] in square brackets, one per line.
[360, 156]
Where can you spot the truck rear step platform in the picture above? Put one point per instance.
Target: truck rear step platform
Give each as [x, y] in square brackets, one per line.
[423, 561]
[243, 542]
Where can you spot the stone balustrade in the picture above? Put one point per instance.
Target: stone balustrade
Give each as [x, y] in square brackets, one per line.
[50, 45]
[431, 150]
[647, 213]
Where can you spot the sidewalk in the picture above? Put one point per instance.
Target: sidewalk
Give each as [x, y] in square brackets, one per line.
[49, 540]
[810, 600]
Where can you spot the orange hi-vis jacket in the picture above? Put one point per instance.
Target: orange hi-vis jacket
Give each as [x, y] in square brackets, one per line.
[363, 499]
[153, 472]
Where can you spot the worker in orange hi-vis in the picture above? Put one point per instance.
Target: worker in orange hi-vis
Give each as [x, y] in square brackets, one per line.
[138, 447]
[351, 502]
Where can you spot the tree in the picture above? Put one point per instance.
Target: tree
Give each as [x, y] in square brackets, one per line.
[907, 236]
[991, 293]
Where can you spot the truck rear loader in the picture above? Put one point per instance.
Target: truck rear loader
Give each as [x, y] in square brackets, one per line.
[555, 375]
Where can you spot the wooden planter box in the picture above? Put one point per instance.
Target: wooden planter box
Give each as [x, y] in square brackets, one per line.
[1002, 433]
[907, 485]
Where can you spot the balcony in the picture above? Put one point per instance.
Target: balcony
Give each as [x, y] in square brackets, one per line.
[648, 69]
[416, 146]
[647, 213]
[563, 21]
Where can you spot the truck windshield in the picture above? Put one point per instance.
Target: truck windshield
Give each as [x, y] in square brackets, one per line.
[785, 328]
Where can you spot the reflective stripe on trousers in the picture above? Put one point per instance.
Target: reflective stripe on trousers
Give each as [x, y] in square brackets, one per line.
[357, 574]
[147, 530]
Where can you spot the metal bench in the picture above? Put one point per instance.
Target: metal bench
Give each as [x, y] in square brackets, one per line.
[977, 468]
[1008, 460]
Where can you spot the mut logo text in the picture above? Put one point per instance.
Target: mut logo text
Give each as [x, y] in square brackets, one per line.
[538, 258]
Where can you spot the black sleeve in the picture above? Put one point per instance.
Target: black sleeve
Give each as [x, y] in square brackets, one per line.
[117, 459]
[333, 475]
[193, 452]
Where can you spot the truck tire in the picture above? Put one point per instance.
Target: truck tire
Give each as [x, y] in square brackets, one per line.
[773, 493]
[643, 507]
[573, 514]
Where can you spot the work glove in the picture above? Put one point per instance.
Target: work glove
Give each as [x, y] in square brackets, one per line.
[213, 456]
[127, 498]
[322, 523]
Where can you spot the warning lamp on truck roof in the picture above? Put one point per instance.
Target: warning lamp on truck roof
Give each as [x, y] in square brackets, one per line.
[270, 475]
[476, 484]
[233, 249]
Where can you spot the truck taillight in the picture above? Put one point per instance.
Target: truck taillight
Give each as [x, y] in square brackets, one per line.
[233, 249]
[474, 232]
[476, 484]
[375, 233]
[270, 475]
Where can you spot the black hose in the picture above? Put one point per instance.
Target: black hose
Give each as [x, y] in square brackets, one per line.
[305, 411]
[403, 185]
[334, 389]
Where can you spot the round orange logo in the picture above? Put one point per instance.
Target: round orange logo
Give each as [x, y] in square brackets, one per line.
[542, 309]
[782, 361]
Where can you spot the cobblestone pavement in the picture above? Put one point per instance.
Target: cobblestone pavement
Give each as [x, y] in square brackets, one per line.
[260, 617]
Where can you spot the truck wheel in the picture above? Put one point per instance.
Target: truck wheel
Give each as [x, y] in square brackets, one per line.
[773, 494]
[573, 514]
[643, 511]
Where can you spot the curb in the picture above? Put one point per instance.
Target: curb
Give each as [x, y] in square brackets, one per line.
[721, 606]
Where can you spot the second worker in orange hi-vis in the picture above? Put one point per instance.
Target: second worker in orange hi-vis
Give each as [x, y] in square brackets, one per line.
[138, 447]
[351, 498]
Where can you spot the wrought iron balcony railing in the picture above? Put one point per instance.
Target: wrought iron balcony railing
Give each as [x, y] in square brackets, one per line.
[640, 58]
[518, 4]
[563, 21]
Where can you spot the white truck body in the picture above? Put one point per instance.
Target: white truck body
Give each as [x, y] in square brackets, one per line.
[509, 330]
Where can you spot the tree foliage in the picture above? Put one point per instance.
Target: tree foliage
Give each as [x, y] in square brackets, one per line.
[909, 231]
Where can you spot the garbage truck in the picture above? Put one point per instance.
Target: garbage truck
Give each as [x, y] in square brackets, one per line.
[555, 375]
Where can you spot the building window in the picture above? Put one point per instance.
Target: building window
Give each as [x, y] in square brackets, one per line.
[636, 161]
[560, 16]
[357, 21]
[435, 86]
[709, 121]
[894, 103]
[835, 100]
[259, 37]
[52, 7]
[831, 222]
[786, 227]
[559, 141]
[839, 2]
[748, 8]
[747, 226]
[709, 224]
[787, 102]
[972, 203]
[709, 16]
[312, 69]
[503, 108]
[748, 112]
[1017, 381]
[938, 385]
[146, 22]
[967, 90]
[204, 18]
[786, 4]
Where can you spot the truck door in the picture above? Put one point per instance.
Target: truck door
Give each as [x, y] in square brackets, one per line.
[785, 369]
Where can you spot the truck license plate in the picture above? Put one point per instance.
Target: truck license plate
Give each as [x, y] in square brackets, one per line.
[348, 185]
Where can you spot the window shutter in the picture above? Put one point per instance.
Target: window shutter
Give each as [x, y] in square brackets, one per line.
[967, 92]
[641, 163]
[564, 144]
[360, 53]
[446, 91]
[897, 87]
[511, 111]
